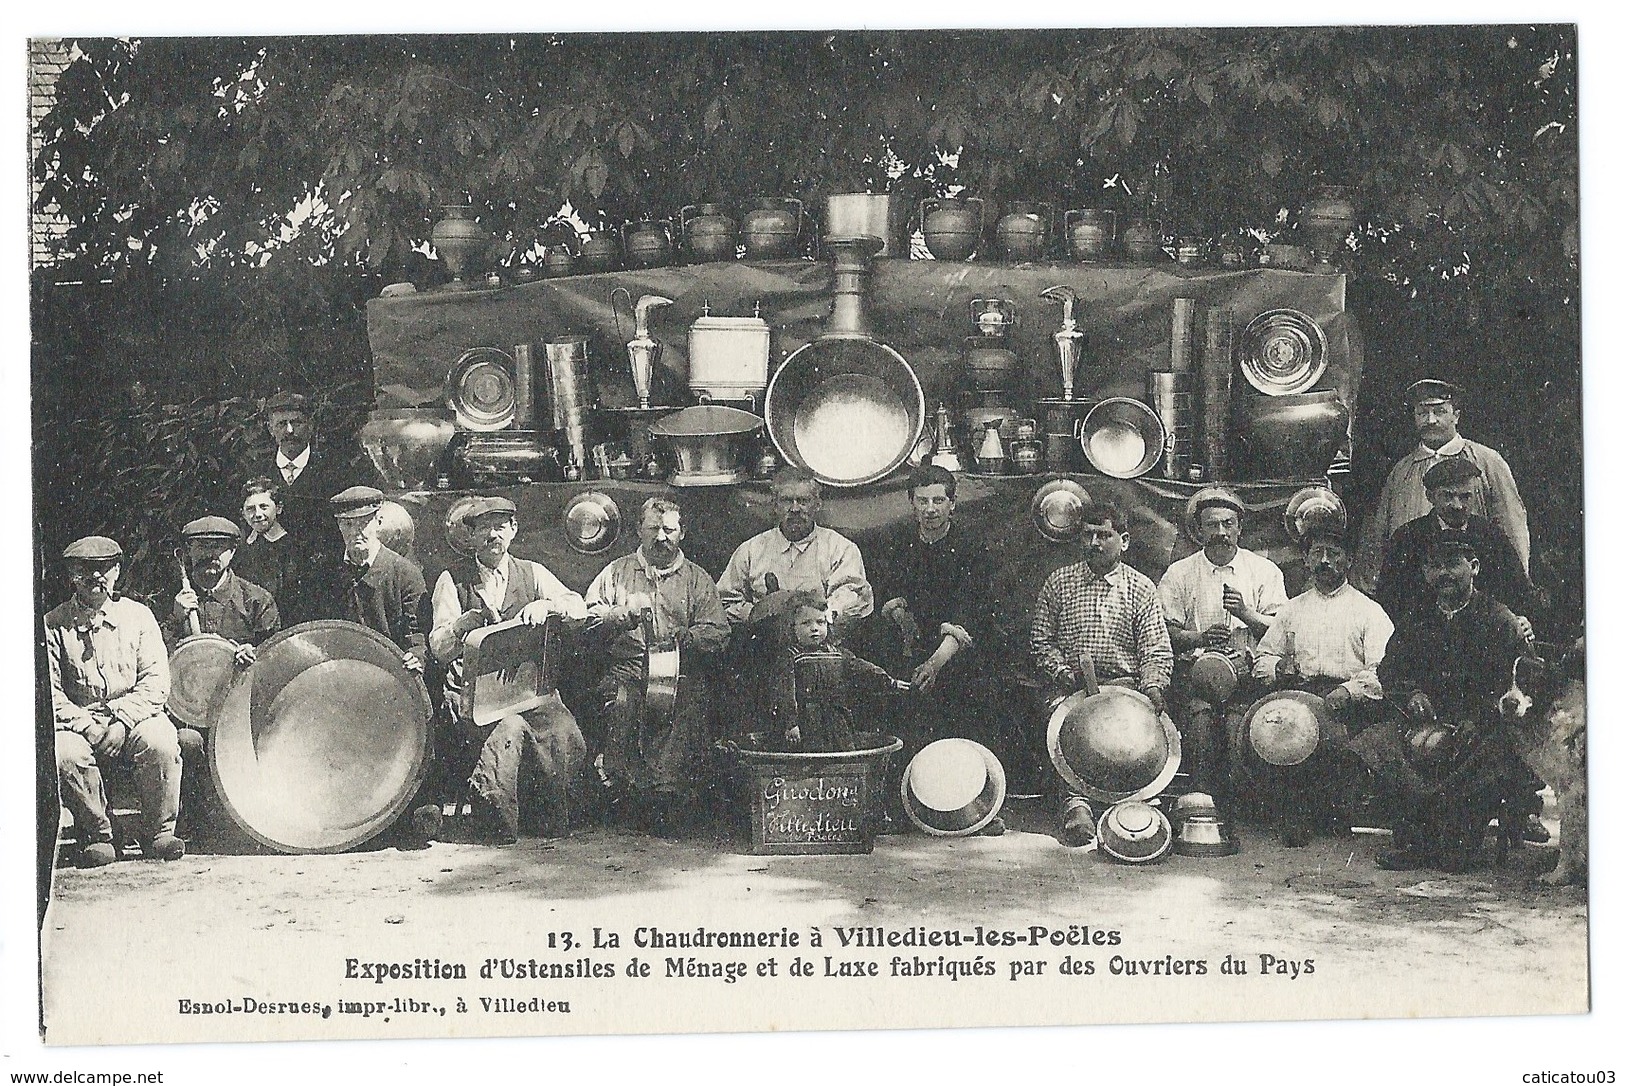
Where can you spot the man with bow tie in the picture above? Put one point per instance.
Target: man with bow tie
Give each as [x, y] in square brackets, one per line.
[1436, 414]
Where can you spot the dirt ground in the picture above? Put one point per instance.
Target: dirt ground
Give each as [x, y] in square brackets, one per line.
[1383, 944]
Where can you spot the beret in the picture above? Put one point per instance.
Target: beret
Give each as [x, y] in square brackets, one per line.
[1429, 390]
[1451, 471]
[479, 507]
[212, 528]
[93, 548]
[357, 501]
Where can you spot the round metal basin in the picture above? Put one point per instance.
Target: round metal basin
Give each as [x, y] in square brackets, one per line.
[323, 741]
[847, 410]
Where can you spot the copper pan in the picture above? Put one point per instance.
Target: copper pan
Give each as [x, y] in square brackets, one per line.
[200, 671]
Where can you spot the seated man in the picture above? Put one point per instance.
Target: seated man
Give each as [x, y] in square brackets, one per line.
[1103, 618]
[1222, 598]
[936, 585]
[1327, 641]
[109, 681]
[228, 606]
[798, 553]
[1447, 665]
[544, 745]
[657, 765]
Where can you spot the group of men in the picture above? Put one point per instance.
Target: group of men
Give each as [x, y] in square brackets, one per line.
[1444, 578]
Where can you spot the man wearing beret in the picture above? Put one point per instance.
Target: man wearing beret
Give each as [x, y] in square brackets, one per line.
[1222, 598]
[1451, 486]
[225, 605]
[1446, 752]
[373, 586]
[109, 682]
[541, 746]
[1328, 641]
[1436, 413]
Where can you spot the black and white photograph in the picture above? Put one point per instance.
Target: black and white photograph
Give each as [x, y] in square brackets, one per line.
[542, 534]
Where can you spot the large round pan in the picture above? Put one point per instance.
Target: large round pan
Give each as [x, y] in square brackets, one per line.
[849, 410]
[321, 744]
[200, 670]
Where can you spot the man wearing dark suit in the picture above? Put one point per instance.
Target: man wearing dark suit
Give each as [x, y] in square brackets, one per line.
[307, 471]
[372, 585]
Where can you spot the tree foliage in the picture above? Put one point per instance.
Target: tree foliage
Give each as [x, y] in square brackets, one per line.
[187, 156]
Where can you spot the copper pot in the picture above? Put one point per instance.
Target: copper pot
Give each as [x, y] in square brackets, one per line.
[648, 243]
[1023, 232]
[952, 226]
[601, 251]
[1090, 231]
[1290, 437]
[990, 363]
[772, 229]
[709, 233]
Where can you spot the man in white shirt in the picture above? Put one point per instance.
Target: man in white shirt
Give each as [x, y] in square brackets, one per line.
[543, 744]
[798, 554]
[1220, 599]
[1436, 413]
[1327, 641]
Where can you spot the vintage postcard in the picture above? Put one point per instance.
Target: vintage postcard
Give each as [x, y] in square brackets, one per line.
[564, 534]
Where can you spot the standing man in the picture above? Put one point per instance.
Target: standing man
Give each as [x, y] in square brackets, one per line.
[271, 556]
[1099, 617]
[1450, 661]
[109, 682]
[798, 554]
[306, 471]
[1224, 598]
[1436, 413]
[543, 745]
[372, 585]
[1327, 641]
[1452, 486]
[226, 605]
[657, 764]
[935, 585]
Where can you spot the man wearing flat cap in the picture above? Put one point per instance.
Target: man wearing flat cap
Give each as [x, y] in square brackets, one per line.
[109, 682]
[1444, 751]
[226, 605]
[372, 585]
[1436, 413]
[531, 760]
[1221, 599]
[1451, 486]
[1328, 641]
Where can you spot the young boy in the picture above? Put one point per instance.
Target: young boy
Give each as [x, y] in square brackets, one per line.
[814, 684]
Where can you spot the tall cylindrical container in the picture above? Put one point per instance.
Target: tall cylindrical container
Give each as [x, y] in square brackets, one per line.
[569, 389]
[1219, 332]
[1171, 399]
[1182, 337]
[524, 388]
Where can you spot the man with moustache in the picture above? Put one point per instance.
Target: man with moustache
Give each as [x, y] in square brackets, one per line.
[372, 585]
[1327, 641]
[798, 554]
[529, 761]
[1452, 485]
[307, 472]
[1222, 598]
[228, 606]
[109, 682]
[1436, 413]
[655, 765]
[1100, 617]
[1447, 665]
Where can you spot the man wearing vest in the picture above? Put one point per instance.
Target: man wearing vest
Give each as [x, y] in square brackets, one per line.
[543, 744]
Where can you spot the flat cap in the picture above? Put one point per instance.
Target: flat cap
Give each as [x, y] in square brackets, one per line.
[480, 507]
[288, 401]
[1447, 544]
[212, 528]
[1451, 471]
[1429, 390]
[1325, 525]
[94, 548]
[357, 501]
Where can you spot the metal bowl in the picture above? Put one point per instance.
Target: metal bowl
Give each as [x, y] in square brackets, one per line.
[200, 670]
[592, 522]
[847, 409]
[1123, 437]
[953, 788]
[1309, 503]
[1134, 832]
[458, 536]
[1057, 510]
[1284, 728]
[480, 389]
[710, 445]
[1283, 352]
[1113, 745]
